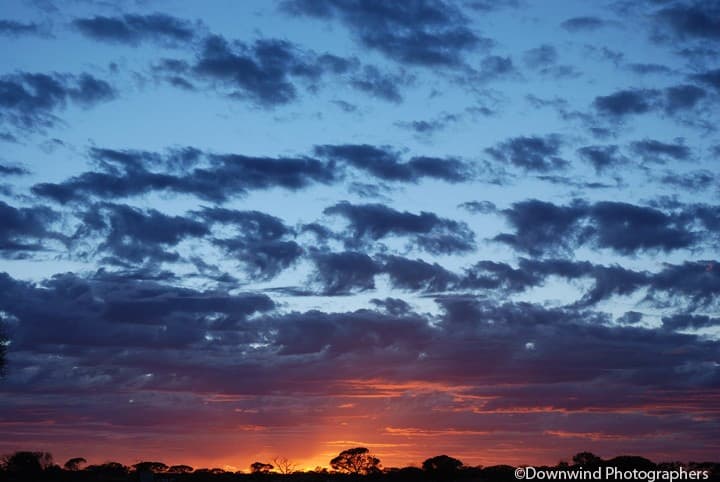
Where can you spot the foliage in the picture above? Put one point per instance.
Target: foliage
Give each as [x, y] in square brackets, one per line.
[356, 461]
[260, 468]
[74, 463]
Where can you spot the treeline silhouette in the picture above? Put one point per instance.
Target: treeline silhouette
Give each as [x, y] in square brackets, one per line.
[351, 464]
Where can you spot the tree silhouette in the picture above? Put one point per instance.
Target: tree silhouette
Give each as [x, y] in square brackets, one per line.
[587, 459]
[356, 461]
[179, 469]
[154, 467]
[260, 468]
[108, 470]
[74, 463]
[284, 466]
[27, 463]
[442, 466]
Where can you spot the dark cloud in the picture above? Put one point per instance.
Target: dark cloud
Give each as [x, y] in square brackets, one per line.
[540, 154]
[673, 100]
[480, 207]
[137, 236]
[90, 91]
[699, 20]
[343, 335]
[251, 224]
[427, 32]
[630, 318]
[651, 150]
[692, 322]
[77, 315]
[692, 284]
[540, 226]
[544, 59]
[393, 306]
[710, 77]
[417, 275]
[259, 241]
[427, 231]
[378, 84]
[541, 56]
[346, 272]
[692, 181]
[608, 281]
[386, 164]
[13, 28]
[218, 177]
[602, 157]
[650, 69]
[7, 170]
[491, 68]
[221, 176]
[628, 102]
[683, 97]
[132, 29]
[584, 24]
[431, 126]
[29, 100]
[625, 228]
[269, 71]
[262, 72]
[491, 5]
[491, 275]
[262, 260]
[345, 106]
[572, 182]
[24, 229]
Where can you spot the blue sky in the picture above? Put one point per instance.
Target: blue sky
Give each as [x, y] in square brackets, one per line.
[197, 195]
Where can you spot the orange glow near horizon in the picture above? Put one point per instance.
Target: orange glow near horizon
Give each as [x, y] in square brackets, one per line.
[401, 423]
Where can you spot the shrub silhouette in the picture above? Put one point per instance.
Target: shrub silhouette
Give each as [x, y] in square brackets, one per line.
[442, 466]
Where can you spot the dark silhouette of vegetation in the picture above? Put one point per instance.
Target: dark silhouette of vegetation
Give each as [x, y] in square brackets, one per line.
[284, 466]
[350, 465]
[74, 463]
[27, 464]
[180, 469]
[442, 467]
[356, 461]
[154, 467]
[587, 460]
[260, 468]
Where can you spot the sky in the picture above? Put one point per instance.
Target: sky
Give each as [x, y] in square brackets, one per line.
[231, 231]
